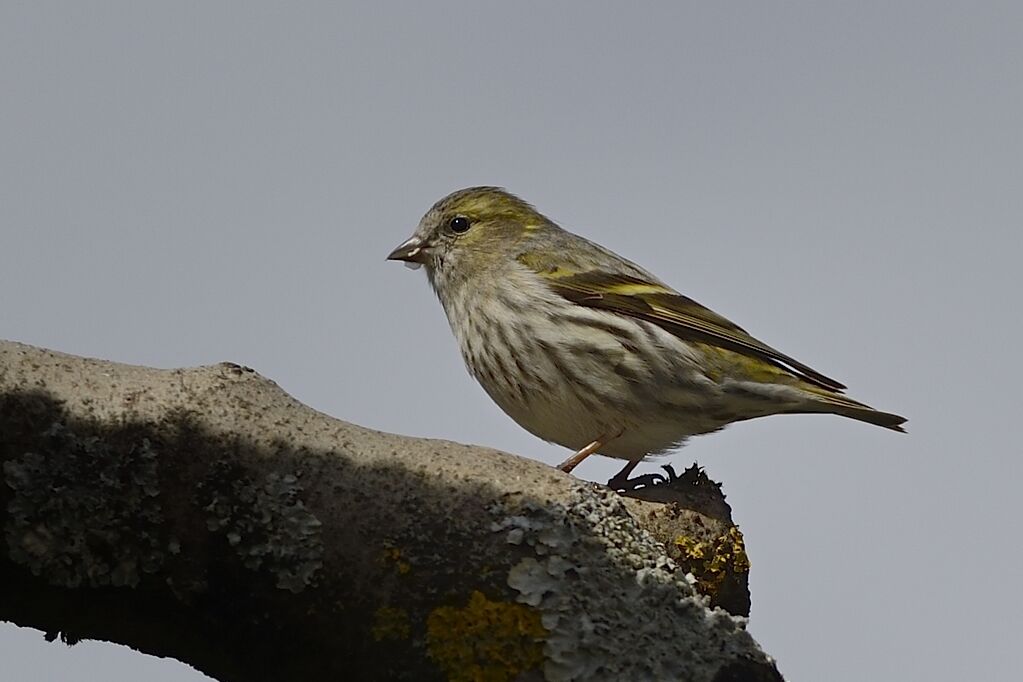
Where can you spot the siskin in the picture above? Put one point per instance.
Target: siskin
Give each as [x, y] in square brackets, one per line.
[590, 351]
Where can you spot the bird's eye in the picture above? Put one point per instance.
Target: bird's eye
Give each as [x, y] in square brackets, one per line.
[459, 224]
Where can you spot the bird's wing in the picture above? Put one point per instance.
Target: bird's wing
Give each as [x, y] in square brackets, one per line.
[643, 299]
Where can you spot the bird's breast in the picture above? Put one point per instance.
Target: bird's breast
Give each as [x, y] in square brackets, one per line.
[570, 374]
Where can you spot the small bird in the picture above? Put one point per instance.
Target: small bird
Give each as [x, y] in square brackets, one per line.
[586, 349]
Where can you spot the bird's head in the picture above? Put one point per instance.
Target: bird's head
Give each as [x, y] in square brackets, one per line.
[468, 233]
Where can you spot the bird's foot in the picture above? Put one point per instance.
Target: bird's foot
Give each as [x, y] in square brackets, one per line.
[627, 485]
[623, 484]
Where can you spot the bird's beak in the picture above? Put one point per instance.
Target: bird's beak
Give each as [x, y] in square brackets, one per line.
[410, 251]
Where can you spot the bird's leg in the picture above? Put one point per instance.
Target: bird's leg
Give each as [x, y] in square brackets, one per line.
[573, 461]
[621, 479]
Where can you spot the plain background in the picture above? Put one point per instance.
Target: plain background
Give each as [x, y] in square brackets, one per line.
[183, 183]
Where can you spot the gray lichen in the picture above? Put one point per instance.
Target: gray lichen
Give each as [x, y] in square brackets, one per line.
[594, 631]
[269, 527]
[83, 512]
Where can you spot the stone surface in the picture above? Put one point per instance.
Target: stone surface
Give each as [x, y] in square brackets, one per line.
[205, 514]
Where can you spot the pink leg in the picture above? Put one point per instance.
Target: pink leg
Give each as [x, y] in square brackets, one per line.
[573, 461]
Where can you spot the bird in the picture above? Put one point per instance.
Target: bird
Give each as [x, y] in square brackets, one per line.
[590, 351]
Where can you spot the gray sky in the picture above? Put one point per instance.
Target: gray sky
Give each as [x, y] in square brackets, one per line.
[188, 182]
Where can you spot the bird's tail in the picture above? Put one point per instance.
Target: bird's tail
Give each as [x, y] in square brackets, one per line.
[830, 402]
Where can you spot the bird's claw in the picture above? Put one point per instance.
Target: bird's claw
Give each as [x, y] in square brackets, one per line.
[626, 485]
[670, 470]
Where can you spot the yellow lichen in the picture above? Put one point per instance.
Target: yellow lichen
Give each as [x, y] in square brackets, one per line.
[485, 641]
[391, 623]
[392, 555]
[713, 561]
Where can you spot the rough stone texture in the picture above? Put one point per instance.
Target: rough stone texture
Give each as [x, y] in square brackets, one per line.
[695, 523]
[581, 551]
[206, 515]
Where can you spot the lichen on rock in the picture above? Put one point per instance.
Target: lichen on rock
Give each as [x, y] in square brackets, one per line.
[490, 640]
[84, 512]
[712, 562]
[591, 569]
[267, 523]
